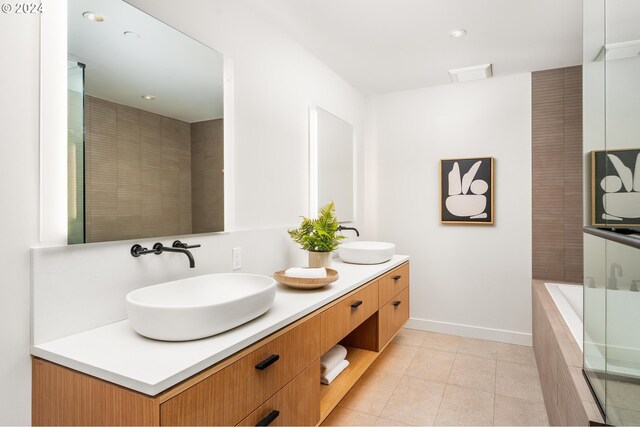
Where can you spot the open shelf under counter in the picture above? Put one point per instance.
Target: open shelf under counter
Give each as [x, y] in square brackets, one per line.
[330, 395]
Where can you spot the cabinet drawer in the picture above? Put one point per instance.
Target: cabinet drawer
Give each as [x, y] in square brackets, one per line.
[393, 282]
[228, 396]
[344, 317]
[392, 316]
[297, 404]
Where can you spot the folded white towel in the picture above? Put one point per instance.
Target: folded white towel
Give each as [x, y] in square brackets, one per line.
[331, 375]
[306, 273]
[332, 358]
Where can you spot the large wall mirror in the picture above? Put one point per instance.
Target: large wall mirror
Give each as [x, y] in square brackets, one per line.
[145, 127]
[331, 163]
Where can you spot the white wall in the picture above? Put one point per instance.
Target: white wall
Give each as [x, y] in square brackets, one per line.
[19, 43]
[275, 81]
[469, 280]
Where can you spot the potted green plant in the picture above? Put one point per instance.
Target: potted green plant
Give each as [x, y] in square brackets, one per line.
[319, 236]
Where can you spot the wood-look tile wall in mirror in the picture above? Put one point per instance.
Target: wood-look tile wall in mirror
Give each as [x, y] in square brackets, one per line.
[146, 131]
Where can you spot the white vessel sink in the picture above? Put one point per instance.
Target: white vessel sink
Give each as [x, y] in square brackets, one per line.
[200, 306]
[366, 252]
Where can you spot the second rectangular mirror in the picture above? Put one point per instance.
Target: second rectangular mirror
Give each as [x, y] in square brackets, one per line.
[331, 163]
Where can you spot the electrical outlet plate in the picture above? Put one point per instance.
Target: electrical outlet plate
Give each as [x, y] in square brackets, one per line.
[236, 258]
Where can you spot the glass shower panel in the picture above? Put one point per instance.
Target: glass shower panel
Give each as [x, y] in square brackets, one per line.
[594, 289]
[622, 112]
[75, 151]
[622, 404]
[594, 341]
[622, 77]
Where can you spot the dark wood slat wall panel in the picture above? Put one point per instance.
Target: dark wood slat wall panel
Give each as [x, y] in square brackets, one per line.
[556, 123]
[573, 160]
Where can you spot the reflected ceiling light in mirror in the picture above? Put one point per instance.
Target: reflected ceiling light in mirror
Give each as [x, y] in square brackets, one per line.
[131, 35]
[95, 17]
[149, 97]
[456, 33]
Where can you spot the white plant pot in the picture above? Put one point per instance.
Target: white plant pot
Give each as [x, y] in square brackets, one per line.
[320, 259]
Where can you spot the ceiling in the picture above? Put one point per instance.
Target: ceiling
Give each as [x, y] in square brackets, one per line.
[392, 45]
[184, 75]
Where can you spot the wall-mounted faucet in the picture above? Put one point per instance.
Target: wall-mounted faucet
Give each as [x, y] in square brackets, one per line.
[612, 283]
[341, 227]
[158, 248]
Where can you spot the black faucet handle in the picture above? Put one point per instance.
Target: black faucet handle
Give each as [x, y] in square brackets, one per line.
[137, 250]
[179, 244]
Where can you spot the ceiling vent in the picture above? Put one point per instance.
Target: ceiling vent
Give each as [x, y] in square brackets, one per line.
[621, 50]
[467, 74]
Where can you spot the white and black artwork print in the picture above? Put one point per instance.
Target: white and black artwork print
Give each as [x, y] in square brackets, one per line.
[466, 193]
[615, 188]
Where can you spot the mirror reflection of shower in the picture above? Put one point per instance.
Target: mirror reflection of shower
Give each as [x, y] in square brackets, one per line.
[75, 151]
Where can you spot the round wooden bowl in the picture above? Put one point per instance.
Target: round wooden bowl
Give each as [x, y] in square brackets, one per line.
[305, 283]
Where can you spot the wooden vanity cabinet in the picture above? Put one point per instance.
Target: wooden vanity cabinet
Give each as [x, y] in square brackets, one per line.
[339, 320]
[275, 380]
[391, 283]
[227, 396]
[392, 316]
[297, 404]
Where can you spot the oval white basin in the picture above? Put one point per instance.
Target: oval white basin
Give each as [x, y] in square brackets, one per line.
[366, 252]
[199, 307]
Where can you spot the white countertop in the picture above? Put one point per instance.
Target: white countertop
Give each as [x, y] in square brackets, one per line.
[117, 354]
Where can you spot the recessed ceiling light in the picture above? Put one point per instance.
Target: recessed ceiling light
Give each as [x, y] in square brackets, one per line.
[93, 17]
[456, 33]
[131, 35]
[149, 97]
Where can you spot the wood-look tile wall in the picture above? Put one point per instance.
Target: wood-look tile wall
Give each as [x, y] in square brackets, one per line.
[137, 173]
[207, 176]
[556, 125]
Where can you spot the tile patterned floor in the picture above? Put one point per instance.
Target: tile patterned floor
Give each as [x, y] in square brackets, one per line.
[426, 379]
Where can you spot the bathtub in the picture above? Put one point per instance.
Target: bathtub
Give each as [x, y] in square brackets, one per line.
[568, 298]
[623, 343]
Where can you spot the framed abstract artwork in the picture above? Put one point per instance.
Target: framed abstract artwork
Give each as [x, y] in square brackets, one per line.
[466, 191]
[615, 188]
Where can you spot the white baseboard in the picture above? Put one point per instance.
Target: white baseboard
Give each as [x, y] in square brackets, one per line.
[499, 335]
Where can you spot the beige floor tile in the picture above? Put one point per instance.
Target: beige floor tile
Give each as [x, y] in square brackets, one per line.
[431, 365]
[474, 372]
[518, 380]
[626, 417]
[463, 406]
[387, 422]
[347, 417]
[624, 395]
[395, 358]
[371, 392]
[511, 411]
[477, 347]
[516, 353]
[441, 342]
[412, 337]
[415, 401]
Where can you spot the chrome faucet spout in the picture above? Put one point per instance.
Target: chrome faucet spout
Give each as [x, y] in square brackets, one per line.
[615, 272]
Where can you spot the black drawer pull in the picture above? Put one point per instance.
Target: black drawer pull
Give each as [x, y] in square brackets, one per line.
[266, 363]
[356, 304]
[397, 303]
[269, 418]
[396, 278]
